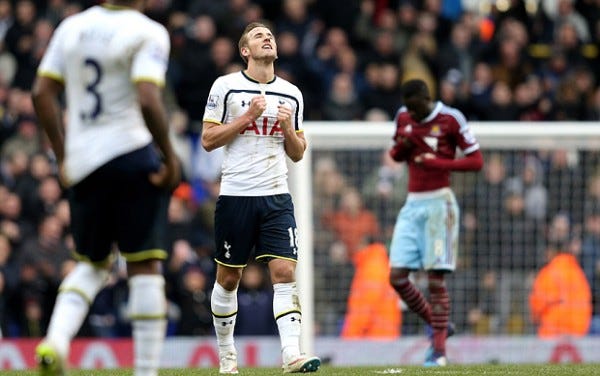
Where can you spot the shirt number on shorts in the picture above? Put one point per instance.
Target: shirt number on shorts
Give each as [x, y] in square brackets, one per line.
[293, 233]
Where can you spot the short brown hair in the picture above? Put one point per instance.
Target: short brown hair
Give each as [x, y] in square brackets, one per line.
[243, 42]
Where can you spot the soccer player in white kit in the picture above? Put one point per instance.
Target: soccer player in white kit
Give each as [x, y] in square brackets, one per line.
[111, 62]
[257, 117]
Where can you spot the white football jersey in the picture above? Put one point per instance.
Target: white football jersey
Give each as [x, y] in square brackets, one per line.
[255, 161]
[99, 55]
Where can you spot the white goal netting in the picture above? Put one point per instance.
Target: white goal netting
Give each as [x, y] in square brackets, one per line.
[540, 184]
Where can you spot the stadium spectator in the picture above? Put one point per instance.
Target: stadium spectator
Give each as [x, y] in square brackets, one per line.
[180, 216]
[593, 107]
[25, 139]
[502, 106]
[483, 315]
[8, 281]
[370, 24]
[373, 306]
[295, 18]
[482, 215]
[13, 225]
[590, 259]
[18, 40]
[529, 181]
[384, 190]
[40, 167]
[563, 178]
[560, 299]
[321, 61]
[45, 257]
[337, 274]
[342, 102]
[6, 17]
[255, 210]
[480, 90]
[194, 62]
[352, 222]
[426, 233]
[453, 91]
[193, 299]
[255, 303]
[384, 91]
[519, 253]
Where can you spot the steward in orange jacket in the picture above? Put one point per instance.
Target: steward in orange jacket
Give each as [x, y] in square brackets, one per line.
[561, 299]
[373, 306]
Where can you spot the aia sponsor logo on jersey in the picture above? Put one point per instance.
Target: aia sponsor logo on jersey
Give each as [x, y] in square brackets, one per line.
[267, 127]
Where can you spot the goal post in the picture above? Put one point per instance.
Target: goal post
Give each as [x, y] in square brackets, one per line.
[360, 137]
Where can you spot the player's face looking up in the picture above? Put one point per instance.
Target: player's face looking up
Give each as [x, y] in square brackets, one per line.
[260, 45]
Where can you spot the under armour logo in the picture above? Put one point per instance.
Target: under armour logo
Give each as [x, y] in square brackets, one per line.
[227, 247]
[244, 103]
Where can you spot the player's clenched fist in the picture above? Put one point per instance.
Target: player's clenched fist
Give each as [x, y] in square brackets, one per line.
[402, 137]
[258, 105]
[284, 115]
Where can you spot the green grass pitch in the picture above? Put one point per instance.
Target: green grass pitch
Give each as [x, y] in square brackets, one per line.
[512, 370]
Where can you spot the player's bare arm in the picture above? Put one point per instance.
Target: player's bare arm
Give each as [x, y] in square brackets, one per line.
[294, 142]
[216, 135]
[155, 117]
[45, 96]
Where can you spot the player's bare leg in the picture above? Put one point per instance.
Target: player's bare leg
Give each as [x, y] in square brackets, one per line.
[224, 308]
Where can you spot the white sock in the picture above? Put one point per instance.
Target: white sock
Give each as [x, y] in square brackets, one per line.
[224, 308]
[148, 309]
[288, 315]
[69, 312]
[76, 293]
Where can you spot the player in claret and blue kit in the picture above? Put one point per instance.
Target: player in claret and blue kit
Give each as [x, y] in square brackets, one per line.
[425, 237]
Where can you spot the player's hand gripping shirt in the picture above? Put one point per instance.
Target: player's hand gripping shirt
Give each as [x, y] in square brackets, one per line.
[99, 55]
[440, 133]
[255, 161]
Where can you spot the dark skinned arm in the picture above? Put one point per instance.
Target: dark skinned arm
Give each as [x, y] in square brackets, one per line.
[155, 116]
[45, 96]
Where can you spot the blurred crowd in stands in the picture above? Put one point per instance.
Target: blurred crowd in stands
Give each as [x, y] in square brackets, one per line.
[529, 60]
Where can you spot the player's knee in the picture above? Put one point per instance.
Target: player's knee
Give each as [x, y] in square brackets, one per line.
[399, 278]
[436, 281]
[282, 272]
[229, 278]
[86, 280]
